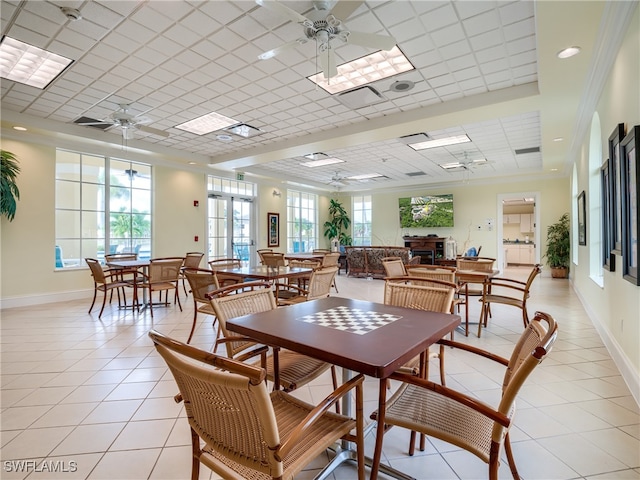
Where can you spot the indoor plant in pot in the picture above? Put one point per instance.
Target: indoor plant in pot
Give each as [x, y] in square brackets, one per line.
[9, 193]
[558, 247]
[339, 220]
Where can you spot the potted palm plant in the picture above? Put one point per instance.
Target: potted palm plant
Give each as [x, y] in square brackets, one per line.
[558, 247]
[339, 220]
[9, 193]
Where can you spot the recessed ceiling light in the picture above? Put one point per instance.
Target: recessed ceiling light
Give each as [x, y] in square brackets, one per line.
[193, 163]
[554, 169]
[363, 70]
[30, 65]
[322, 162]
[20, 129]
[207, 123]
[440, 142]
[569, 52]
[224, 138]
[316, 156]
[365, 176]
[558, 139]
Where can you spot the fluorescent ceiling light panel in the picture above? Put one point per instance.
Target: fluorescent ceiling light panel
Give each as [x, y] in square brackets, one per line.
[316, 156]
[365, 176]
[30, 65]
[244, 130]
[449, 166]
[207, 123]
[322, 162]
[363, 70]
[440, 142]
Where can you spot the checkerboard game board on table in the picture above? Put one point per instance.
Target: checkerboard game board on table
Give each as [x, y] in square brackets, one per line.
[351, 320]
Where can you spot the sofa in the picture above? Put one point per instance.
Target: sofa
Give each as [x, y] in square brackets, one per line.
[367, 261]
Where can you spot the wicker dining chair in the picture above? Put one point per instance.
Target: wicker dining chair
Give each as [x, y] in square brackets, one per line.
[319, 287]
[332, 259]
[234, 301]
[202, 281]
[261, 251]
[302, 282]
[223, 263]
[126, 274]
[105, 280]
[394, 267]
[191, 260]
[164, 275]
[274, 259]
[240, 430]
[507, 291]
[463, 420]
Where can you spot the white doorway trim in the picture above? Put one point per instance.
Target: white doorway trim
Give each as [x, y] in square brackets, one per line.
[500, 233]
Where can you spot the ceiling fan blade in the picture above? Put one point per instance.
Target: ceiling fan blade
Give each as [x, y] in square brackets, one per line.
[328, 63]
[152, 131]
[372, 40]
[283, 10]
[272, 53]
[344, 8]
[94, 123]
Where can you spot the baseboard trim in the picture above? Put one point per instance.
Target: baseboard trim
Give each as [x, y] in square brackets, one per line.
[27, 301]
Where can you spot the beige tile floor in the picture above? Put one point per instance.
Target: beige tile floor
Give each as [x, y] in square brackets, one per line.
[92, 398]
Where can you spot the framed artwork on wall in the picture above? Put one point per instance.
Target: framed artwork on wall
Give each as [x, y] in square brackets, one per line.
[582, 219]
[273, 225]
[630, 146]
[616, 191]
[608, 258]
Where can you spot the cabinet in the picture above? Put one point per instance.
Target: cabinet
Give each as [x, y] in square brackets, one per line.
[527, 223]
[520, 254]
[511, 218]
[429, 248]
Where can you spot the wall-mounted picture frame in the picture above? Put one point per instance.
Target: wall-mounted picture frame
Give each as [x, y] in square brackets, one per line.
[616, 185]
[608, 258]
[582, 219]
[273, 232]
[630, 157]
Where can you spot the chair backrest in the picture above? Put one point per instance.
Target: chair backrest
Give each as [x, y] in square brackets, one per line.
[165, 269]
[532, 276]
[124, 257]
[96, 270]
[330, 259]
[534, 344]
[227, 404]
[441, 273]
[434, 299]
[320, 282]
[222, 263]
[237, 300]
[394, 267]
[273, 259]
[261, 251]
[201, 281]
[478, 264]
[192, 259]
[313, 264]
[321, 250]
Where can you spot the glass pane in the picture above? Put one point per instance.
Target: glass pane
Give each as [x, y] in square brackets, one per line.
[67, 224]
[141, 201]
[67, 253]
[140, 176]
[120, 173]
[92, 197]
[120, 225]
[140, 225]
[67, 165]
[120, 199]
[92, 248]
[93, 225]
[93, 169]
[67, 194]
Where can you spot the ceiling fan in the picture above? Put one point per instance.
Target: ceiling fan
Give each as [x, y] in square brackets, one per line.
[126, 121]
[325, 27]
[465, 164]
[338, 180]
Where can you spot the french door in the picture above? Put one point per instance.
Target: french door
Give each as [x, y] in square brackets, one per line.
[231, 228]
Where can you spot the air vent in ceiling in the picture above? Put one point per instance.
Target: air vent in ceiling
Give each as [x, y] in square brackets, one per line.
[414, 138]
[415, 174]
[361, 97]
[522, 151]
[98, 123]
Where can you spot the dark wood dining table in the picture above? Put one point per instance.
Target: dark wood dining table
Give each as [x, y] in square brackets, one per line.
[263, 272]
[365, 337]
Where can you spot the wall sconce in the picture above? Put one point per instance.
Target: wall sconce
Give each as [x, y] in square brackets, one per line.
[276, 193]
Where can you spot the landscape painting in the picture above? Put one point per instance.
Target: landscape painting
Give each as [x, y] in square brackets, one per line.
[426, 211]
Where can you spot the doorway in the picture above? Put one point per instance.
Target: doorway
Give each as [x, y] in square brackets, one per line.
[231, 228]
[518, 234]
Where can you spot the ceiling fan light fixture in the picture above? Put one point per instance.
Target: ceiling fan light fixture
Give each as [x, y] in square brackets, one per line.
[440, 142]
[207, 123]
[366, 69]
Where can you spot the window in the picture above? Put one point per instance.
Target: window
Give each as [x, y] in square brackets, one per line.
[91, 189]
[361, 223]
[302, 221]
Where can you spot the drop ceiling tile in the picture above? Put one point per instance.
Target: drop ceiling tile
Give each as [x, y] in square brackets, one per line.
[491, 54]
[149, 16]
[457, 49]
[527, 44]
[164, 48]
[87, 28]
[482, 23]
[134, 31]
[28, 36]
[182, 35]
[439, 18]
[486, 40]
[229, 41]
[516, 11]
[43, 25]
[448, 35]
[103, 15]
